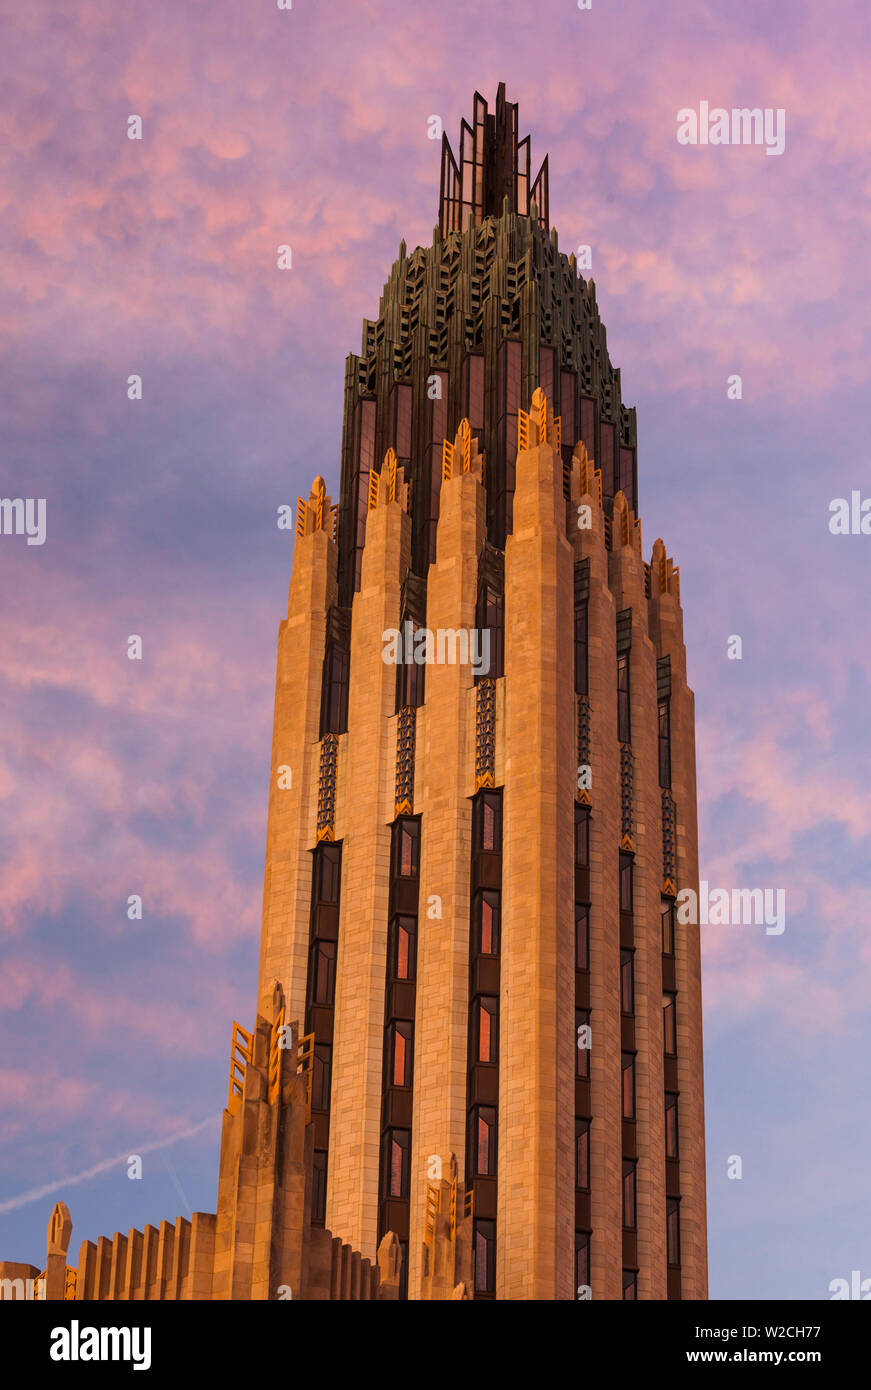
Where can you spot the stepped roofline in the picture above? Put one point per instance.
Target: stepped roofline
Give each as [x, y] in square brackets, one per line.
[494, 165]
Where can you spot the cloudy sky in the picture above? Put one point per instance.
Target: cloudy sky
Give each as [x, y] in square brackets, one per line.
[157, 257]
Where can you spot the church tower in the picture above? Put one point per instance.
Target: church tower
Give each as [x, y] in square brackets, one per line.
[482, 798]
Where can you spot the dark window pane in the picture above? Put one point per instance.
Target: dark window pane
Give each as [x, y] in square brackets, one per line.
[473, 391]
[627, 982]
[402, 952]
[672, 1230]
[396, 1163]
[334, 702]
[628, 1064]
[625, 882]
[669, 1024]
[582, 1263]
[408, 854]
[582, 1154]
[484, 1141]
[319, 1186]
[625, 479]
[606, 458]
[486, 1028]
[323, 982]
[488, 833]
[321, 1077]
[667, 913]
[582, 836]
[487, 822]
[623, 717]
[582, 936]
[581, 666]
[588, 425]
[402, 399]
[409, 673]
[671, 1126]
[399, 1053]
[483, 1137]
[545, 373]
[486, 918]
[629, 1193]
[485, 1256]
[328, 872]
[630, 1284]
[402, 948]
[490, 615]
[568, 391]
[582, 1029]
[664, 745]
[406, 848]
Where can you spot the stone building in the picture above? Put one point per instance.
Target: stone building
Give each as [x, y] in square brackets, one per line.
[477, 1060]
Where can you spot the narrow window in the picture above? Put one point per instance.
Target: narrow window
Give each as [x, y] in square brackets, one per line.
[669, 1024]
[406, 848]
[628, 1063]
[323, 976]
[629, 1193]
[582, 1263]
[672, 1230]
[627, 981]
[582, 936]
[487, 822]
[623, 716]
[485, 1256]
[582, 836]
[625, 478]
[399, 1053]
[483, 1136]
[319, 1186]
[334, 696]
[671, 1127]
[327, 873]
[402, 948]
[664, 745]
[581, 632]
[486, 921]
[582, 1154]
[583, 1031]
[396, 1163]
[491, 616]
[630, 1284]
[625, 882]
[606, 457]
[667, 912]
[321, 1077]
[409, 673]
[486, 1028]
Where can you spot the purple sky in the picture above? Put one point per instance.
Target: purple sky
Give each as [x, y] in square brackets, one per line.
[158, 257]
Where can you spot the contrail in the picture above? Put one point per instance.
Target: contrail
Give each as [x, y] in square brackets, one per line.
[177, 1185]
[36, 1193]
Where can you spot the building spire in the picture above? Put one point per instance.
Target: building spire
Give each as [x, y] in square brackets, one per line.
[494, 166]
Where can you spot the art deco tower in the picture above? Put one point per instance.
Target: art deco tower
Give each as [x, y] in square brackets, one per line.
[470, 874]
